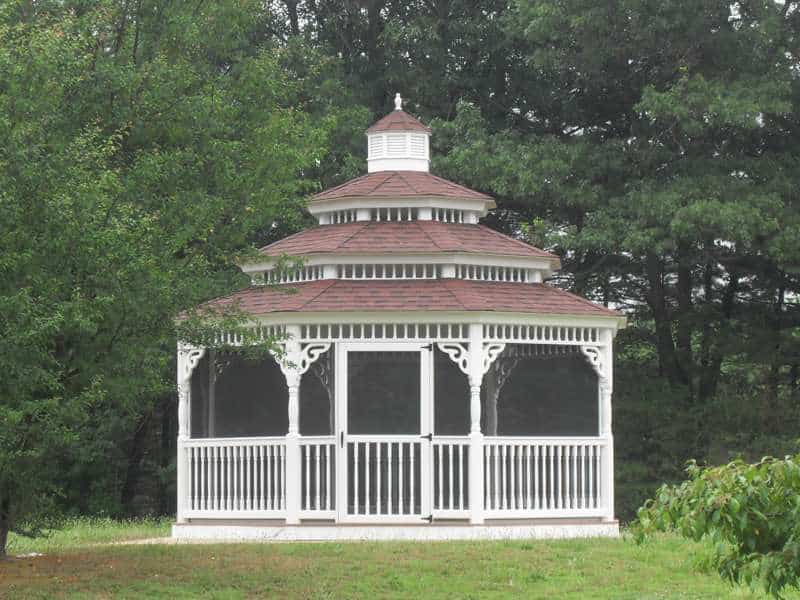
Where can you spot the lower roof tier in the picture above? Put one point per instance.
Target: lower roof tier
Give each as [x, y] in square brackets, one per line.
[436, 295]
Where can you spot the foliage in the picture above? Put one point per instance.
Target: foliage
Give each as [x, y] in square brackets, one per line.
[749, 512]
[144, 149]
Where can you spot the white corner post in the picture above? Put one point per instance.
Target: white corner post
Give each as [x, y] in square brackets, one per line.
[475, 374]
[188, 357]
[291, 370]
[606, 381]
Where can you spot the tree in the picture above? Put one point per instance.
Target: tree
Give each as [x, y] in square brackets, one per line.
[145, 147]
[749, 514]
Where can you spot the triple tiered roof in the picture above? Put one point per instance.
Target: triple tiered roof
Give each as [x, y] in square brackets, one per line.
[401, 239]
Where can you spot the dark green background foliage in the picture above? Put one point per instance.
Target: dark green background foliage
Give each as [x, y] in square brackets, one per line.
[652, 144]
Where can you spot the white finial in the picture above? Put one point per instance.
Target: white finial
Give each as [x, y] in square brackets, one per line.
[398, 102]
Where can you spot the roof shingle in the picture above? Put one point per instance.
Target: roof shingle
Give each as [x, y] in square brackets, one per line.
[340, 295]
[402, 236]
[400, 184]
[398, 120]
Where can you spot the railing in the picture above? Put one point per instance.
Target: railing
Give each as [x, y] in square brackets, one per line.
[396, 477]
[318, 477]
[384, 477]
[525, 477]
[450, 477]
[236, 477]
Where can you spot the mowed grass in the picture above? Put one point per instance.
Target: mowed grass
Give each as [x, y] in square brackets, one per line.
[74, 565]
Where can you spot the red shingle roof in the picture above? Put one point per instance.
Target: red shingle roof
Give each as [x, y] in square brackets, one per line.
[398, 120]
[402, 236]
[411, 295]
[399, 184]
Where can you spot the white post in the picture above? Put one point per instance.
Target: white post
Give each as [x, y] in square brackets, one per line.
[293, 466]
[606, 387]
[188, 358]
[475, 435]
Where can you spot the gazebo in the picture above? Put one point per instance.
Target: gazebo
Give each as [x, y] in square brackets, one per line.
[430, 383]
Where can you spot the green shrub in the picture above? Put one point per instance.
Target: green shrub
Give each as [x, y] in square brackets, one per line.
[749, 512]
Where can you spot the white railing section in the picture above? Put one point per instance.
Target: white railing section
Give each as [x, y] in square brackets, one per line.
[310, 273]
[448, 215]
[318, 475]
[542, 477]
[336, 217]
[394, 214]
[385, 331]
[450, 476]
[487, 273]
[237, 476]
[388, 271]
[550, 334]
[385, 477]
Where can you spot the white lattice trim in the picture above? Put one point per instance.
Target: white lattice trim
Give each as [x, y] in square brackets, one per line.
[385, 331]
[542, 334]
[594, 355]
[458, 353]
[490, 352]
[188, 358]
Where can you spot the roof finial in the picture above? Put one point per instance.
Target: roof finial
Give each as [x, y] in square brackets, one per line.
[398, 102]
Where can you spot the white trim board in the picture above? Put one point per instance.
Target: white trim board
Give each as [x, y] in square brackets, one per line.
[332, 533]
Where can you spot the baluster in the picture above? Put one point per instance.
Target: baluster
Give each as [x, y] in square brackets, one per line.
[503, 478]
[251, 481]
[378, 468]
[259, 474]
[237, 489]
[536, 488]
[572, 452]
[497, 477]
[487, 483]
[441, 477]
[390, 475]
[280, 478]
[518, 452]
[307, 452]
[193, 492]
[317, 451]
[512, 483]
[592, 502]
[560, 463]
[355, 480]
[461, 477]
[366, 477]
[228, 478]
[582, 476]
[550, 477]
[450, 503]
[400, 476]
[269, 501]
[411, 477]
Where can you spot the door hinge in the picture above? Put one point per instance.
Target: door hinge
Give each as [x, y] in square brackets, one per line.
[428, 347]
[429, 518]
[428, 437]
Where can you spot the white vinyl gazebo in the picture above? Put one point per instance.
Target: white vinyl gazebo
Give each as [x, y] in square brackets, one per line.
[431, 384]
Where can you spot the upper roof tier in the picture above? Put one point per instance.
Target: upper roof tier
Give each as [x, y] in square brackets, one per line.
[398, 165]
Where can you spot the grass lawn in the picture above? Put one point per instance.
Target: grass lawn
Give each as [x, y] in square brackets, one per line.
[74, 565]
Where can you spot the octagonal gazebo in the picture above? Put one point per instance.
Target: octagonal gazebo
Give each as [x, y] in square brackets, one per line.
[432, 385]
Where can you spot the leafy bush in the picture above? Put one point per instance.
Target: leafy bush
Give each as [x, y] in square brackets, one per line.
[749, 512]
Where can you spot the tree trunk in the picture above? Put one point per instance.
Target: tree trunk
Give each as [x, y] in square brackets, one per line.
[136, 451]
[5, 524]
[656, 299]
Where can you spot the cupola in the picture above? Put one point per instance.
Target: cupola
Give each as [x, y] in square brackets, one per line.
[398, 142]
